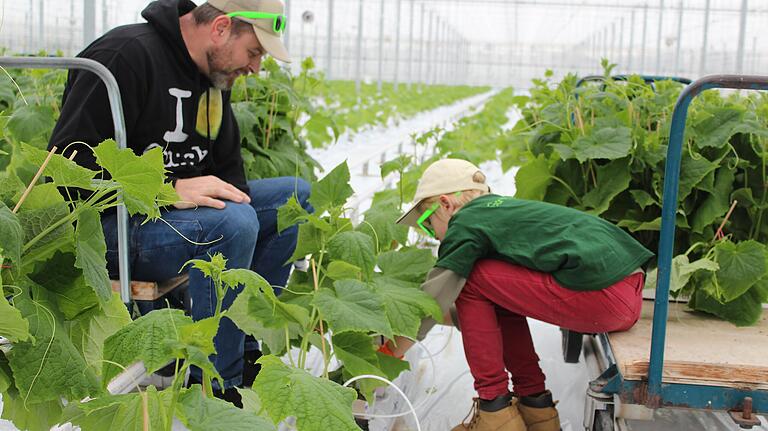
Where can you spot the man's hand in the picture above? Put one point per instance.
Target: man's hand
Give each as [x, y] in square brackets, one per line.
[208, 191]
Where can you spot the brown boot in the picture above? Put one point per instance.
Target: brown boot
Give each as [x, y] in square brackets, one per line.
[506, 419]
[539, 413]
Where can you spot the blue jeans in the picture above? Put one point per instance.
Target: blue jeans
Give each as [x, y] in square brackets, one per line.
[246, 234]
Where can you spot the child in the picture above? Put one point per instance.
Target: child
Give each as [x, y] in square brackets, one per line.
[503, 259]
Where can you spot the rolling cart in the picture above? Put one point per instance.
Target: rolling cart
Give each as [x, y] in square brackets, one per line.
[710, 365]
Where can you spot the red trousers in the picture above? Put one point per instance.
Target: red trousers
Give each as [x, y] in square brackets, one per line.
[492, 310]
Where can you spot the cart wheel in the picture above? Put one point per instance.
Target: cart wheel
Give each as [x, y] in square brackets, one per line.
[572, 342]
[603, 421]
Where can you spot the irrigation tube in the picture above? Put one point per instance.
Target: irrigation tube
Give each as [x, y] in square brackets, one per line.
[400, 391]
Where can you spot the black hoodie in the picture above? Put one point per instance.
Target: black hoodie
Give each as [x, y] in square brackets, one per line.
[167, 102]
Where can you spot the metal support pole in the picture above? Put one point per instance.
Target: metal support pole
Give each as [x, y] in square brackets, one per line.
[411, 19]
[359, 65]
[703, 59]
[631, 52]
[381, 45]
[41, 25]
[621, 44]
[89, 22]
[428, 64]
[742, 38]
[605, 43]
[420, 74]
[287, 31]
[679, 37]
[645, 38]
[658, 37]
[613, 42]
[329, 43]
[397, 42]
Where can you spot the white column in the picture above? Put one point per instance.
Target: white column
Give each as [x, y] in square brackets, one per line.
[679, 37]
[359, 60]
[397, 42]
[703, 59]
[631, 50]
[658, 37]
[89, 22]
[742, 37]
[381, 44]
[329, 42]
[645, 38]
[411, 19]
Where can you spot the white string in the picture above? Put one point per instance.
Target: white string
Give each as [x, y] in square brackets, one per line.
[400, 391]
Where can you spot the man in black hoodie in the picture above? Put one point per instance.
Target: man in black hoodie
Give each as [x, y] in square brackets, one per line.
[174, 74]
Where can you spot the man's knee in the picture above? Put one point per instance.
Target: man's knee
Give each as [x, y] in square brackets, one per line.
[236, 222]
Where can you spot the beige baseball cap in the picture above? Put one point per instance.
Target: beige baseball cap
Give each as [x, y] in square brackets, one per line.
[441, 178]
[263, 27]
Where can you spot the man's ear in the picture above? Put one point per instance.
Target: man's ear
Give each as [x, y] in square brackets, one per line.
[221, 28]
[446, 203]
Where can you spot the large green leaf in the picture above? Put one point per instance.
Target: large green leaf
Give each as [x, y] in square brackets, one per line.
[682, 271]
[355, 248]
[141, 178]
[290, 213]
[91, 253]
[716, 130]
[318, 404]
[31, 416]
[717, 203]
[741, 266]
[309, 241]
[147, 339]
[36, 217]
[65, 173]
[89, 331]
[692, 172]
[50, 367]
[607, 143]
[745, 310]
[379, 224]
[200, 413]
[356, 351]
[66, 285]
[405, 305]
[31, 123]
[11, 235]
[352, 306]
[533, 178]
[612, 179]
[10, 187]
[409, 264]
[122, 412]
[333, 190]
[12, 325]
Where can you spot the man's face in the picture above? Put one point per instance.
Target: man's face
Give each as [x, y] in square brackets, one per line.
[240, 55]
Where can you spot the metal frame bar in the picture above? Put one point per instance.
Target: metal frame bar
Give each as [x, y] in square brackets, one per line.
[116, 107]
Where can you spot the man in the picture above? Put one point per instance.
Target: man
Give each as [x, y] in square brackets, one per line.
[174, 74]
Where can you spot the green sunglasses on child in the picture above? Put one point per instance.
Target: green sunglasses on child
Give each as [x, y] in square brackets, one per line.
[279, 21]
[423, 221]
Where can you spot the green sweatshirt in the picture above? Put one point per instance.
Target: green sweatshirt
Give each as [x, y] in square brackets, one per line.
[581, 251]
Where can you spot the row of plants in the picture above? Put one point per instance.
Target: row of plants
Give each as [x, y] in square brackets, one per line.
[602, 147]
[355, 111]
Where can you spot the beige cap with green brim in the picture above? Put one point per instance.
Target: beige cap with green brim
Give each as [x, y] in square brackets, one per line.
[441, 178]
[263, 27]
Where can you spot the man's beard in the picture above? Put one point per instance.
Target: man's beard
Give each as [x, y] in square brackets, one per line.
[221, 77]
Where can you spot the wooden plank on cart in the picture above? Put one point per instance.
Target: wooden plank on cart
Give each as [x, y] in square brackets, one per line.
[701, 349]
[150, 290]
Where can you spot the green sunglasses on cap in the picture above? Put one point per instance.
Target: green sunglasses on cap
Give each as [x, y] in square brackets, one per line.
[279, 21]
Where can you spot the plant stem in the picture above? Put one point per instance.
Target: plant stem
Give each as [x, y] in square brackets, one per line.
[271, 119]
